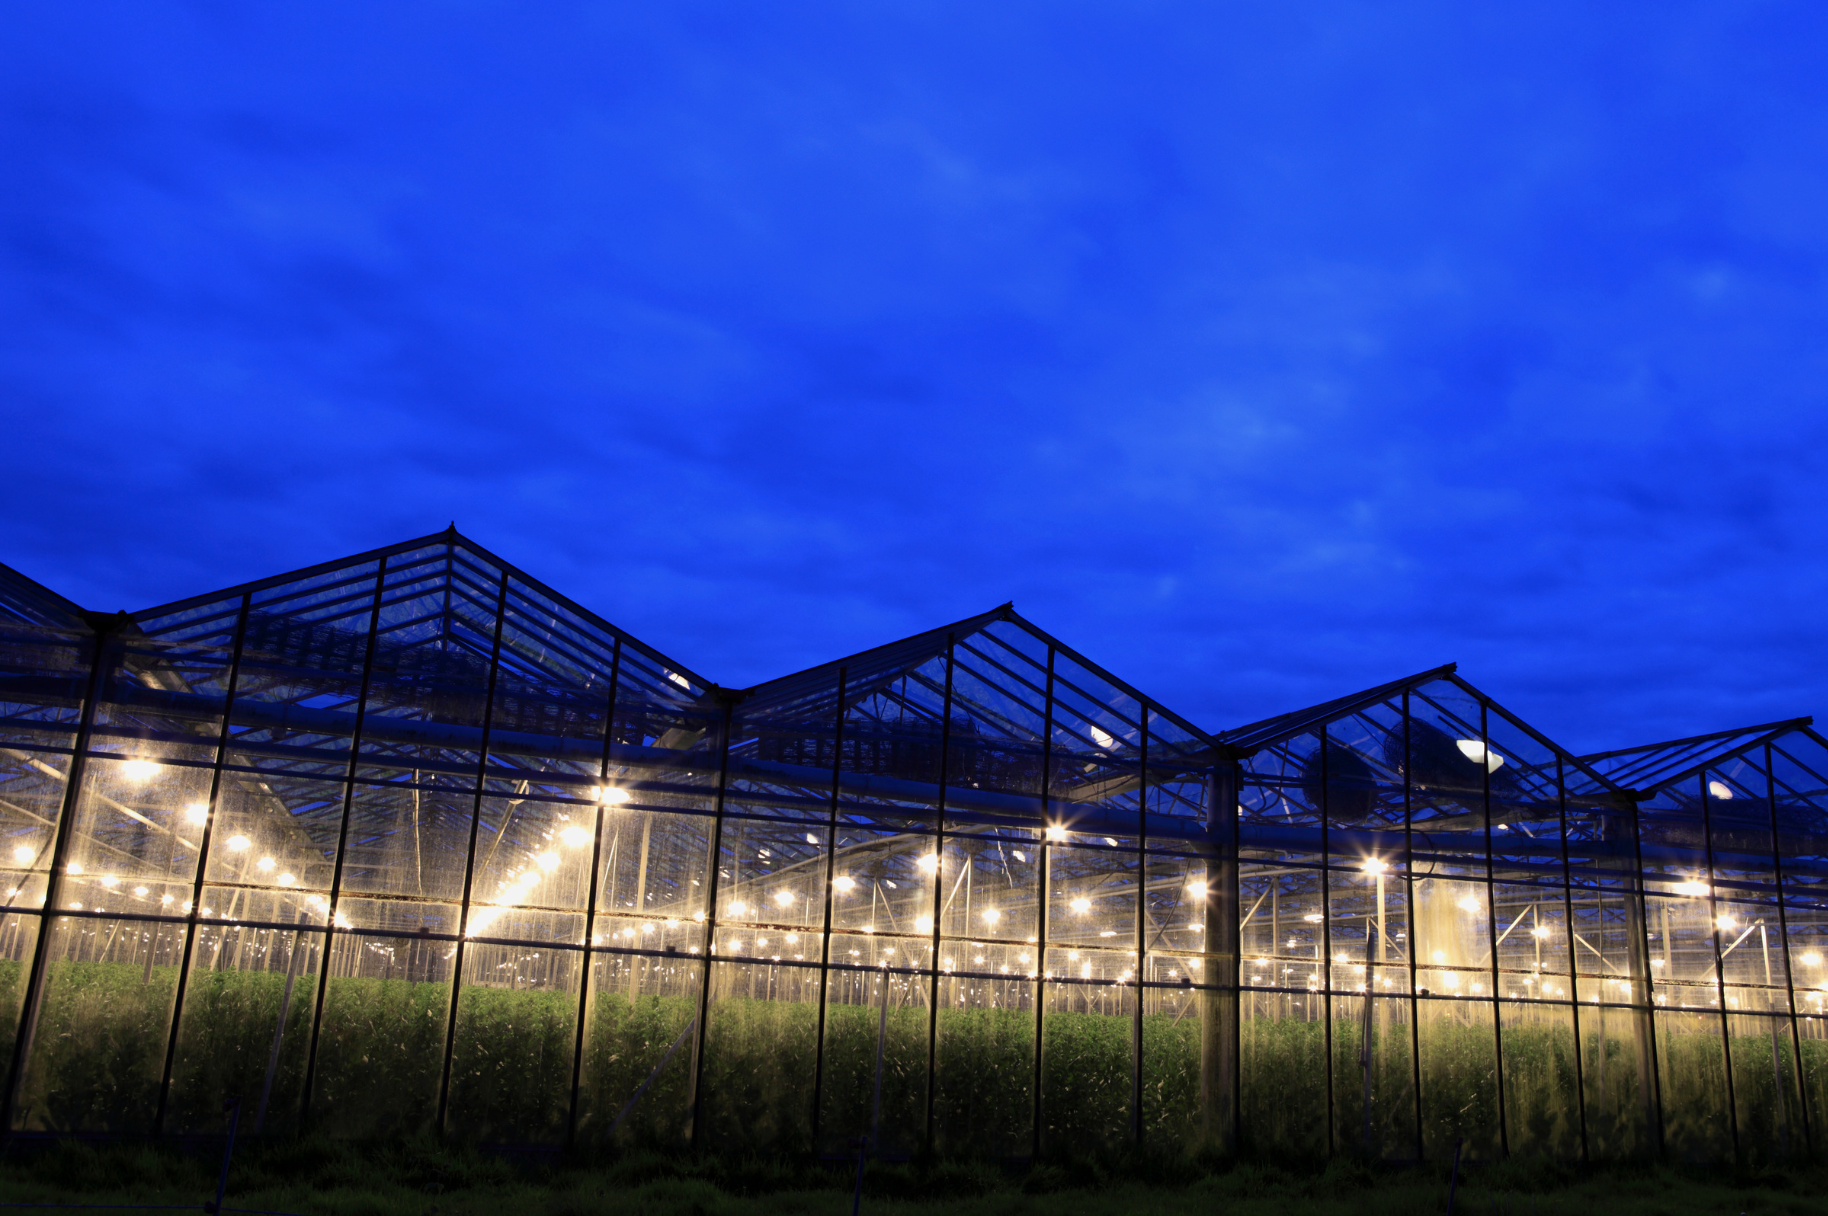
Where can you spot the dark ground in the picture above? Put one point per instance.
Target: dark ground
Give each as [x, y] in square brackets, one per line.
[325, 1178]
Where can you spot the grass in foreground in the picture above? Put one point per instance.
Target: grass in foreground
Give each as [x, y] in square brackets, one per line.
[324, 1178]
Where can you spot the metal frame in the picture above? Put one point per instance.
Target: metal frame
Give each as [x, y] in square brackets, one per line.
[948, 646]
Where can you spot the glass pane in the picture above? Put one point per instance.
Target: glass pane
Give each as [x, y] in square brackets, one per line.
[997, 888]
[984, 1068]
[1812, 1031]
[278, 834]
[1616, 1069]
[511, 1058]
[245, 1029]
[1373, 1090]
[642, 1030]
[1541, 1088]
[138, 823]
[1088, 1037]
[1766, 1094]
[761, 1046]
[876, 1026]
[409, 838]
[380, 1049]
[1284, 1065]
[99, 1047]
[44, 676]
[655, 862]
[1091, 898]
[1692, 1071]
[19, 942]
[1459, 1079]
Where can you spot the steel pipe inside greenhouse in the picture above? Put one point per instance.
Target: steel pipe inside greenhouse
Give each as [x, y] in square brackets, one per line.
[410, 843]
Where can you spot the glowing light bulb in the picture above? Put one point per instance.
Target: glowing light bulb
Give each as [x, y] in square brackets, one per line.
[1440, 956]
[142, 892]
[992, 916]
[197, 813]
[1812, 959]
[1727, 923]
[1082, 905]
[75, 867]
[266, 865]
[923, 924]
[1540, 932]
[1056, 832]
[1196, 889]
[844, 882]
[611, 795]
[139, 770]
[110, 881]
[1693, 887]
[1478, 753]
[793, 938]
[164, 899]
[930, 863]
[238, 844]
[25, 854]
[574, 836]
[1313, 918]
[698, 916]
[549, 861]
[738, 907]
[1470, 904]
[1720, 789]
[286, 880]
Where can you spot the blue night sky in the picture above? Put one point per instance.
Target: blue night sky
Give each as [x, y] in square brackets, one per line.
[1262, 352]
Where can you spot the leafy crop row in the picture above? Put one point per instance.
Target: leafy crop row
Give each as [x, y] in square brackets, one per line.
[101, 1042]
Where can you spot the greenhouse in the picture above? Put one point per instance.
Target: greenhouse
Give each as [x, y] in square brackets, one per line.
[410, 843]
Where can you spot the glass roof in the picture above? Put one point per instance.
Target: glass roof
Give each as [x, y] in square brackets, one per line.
[1654, 765]
[27, 602]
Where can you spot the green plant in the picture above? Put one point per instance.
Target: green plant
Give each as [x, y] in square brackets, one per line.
[102, 1033]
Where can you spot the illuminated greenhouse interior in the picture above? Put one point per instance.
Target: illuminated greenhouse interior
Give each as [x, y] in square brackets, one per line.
[409, 843]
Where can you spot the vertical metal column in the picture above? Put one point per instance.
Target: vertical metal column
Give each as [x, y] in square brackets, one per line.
[1142, 914]
[939, 889]
[101, 661]
[203, 847]
[1713, 932]
[1219, 1081]
[1783, 928]
[342, 841]
[710, 935]
[1567, 899]
[469, 868]
[1415, 1005]
[1326, 936]
[1491, 926]
[1039, 985]
[590, 908]
[825, 928]
[1649, 1077]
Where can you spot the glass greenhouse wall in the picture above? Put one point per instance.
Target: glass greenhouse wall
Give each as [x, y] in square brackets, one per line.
[411, 843]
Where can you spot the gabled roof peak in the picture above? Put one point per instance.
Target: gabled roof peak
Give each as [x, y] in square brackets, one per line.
[1249, 737]
[1652, 766]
